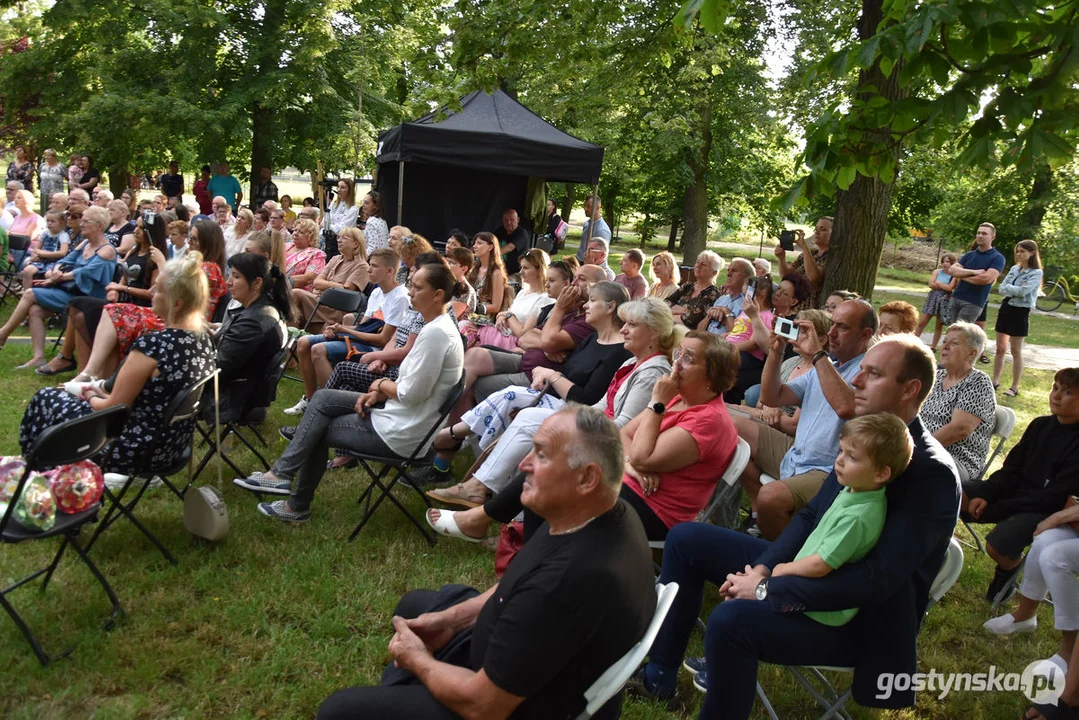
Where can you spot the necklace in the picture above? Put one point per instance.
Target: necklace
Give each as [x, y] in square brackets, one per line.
[582, 526]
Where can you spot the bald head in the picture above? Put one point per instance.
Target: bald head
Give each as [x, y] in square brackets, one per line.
[590, 274]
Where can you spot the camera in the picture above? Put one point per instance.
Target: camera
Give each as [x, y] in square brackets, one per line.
[786, 239]
[786, 328]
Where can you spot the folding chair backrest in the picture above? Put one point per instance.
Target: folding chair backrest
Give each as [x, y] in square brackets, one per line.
[1003, 425]
[346, 301]
[184, 407]
[443, 412]
[612, 680]
[71, 441]
[18, 242]
[738, 463]
[949, 572]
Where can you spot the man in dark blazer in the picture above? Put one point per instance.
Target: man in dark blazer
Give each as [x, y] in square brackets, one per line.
[763, 618]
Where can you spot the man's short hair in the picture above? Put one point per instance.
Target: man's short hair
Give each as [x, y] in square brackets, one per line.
[869, 315]
[1067, 377]
[989, 225]
[884, 438]
[597, 440]
[205, 168]
[463, 257]
[15, 185]
[917, 362]
[387, 255]
[635, 255]
[594, 199]
[79, 194]
[601, 241]
[745, 265]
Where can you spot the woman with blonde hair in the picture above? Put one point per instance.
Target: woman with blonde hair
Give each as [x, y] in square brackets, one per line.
[523, 312]
[236, 234]
[303, 260]
[1020, 290]
[161, 364]
[662, 271]
[348, 271]
[28, 222]
[270, 245]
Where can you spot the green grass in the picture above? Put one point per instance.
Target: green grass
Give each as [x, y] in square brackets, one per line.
[275, 618]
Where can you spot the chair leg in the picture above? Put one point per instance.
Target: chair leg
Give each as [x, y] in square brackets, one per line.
[829, 699]
[116, 609]
[386, 492]
[117, 505]
[766, 703]
[27, 633]
[251, 447]
[977, 539]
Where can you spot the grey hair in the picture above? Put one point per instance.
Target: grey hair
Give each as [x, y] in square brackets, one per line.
[763, 264]
[598, 441]
[974, 335]
[745, 266]
[714, 260]
[15, 185]
[654, 314]
[611, 292]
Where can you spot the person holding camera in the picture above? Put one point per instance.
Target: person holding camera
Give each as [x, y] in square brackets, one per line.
[813, 262]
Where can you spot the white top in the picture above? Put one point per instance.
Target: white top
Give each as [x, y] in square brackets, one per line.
[390, 306]
[376, 235]
[234, 245]
[6, 219]
[527, 304]
[342, 216]
[427, 375]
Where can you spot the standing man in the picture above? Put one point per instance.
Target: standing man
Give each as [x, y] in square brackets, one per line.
[976, 271]
[265, 189]
[513, 239]
[202, 192]
[226, 186]
[172, 182]
[594, 226]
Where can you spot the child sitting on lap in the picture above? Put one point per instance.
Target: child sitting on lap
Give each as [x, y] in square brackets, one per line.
[50, 246]
[873, 450]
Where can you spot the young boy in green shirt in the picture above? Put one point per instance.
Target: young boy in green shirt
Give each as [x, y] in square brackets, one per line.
[873, 451]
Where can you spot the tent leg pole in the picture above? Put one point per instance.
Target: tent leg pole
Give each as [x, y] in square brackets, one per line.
[400, 190]
[588, 236]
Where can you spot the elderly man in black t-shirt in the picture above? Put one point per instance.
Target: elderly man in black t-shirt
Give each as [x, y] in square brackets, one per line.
[575, 599]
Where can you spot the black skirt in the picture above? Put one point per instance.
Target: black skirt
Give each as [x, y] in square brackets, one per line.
[1014, 321]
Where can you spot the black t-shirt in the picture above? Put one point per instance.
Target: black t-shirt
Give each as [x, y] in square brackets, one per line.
[520, 240]
[90, 174]
[116, 236]
[591, 367]
[566, 609]
[172, 185]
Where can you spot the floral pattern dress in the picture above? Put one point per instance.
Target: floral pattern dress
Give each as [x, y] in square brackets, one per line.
[696, 307]
[182, 359]
[300, 262]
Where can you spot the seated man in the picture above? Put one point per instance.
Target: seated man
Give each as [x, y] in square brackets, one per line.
[576, 597]
[764, 618]
[597, 255]
[1040, 473]
[630, 278]
[800, 464]
[546, 345]
[720, 317]
[385, 310]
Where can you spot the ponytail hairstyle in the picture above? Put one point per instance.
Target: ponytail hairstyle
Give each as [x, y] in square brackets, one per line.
[183, 279]
[376, 200]
[441, 278]
[274, 283]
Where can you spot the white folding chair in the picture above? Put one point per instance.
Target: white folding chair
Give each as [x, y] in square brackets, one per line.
[1003, 424]
[612, 680]
[828, 698]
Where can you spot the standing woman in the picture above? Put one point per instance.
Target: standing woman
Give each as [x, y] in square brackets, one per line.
[553, 221]
[662, 271]
[91, 176]
[21, 169]
[375, 231]
[344, 212]
[1020, 290]
[51, 174]
[813, 262]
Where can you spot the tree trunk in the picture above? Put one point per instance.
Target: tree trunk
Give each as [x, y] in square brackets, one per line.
[696, 207]
[262, 129]
[119, 180]
[1041, 193]
[568, 200]
[672, 239]
[861, 218]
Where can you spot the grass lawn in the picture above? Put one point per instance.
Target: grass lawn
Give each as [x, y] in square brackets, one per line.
[275, 618]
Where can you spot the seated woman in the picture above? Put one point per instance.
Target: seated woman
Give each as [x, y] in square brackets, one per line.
[411, 247]
[121, 228]
[236, 234]
[269, 245]
[160, 366]
[524, 311]
[663, 270]
[961, 409]
[752, 329]
[85, 271]
[348, 270]
[1040, 473]
[251, 335]
[583, 378]
[303, 260]
[677, 449]
[336, 418]
[27, 222]
[648, 332]
[460, 261]
[141, 270]
[691, 301]
[489, 278]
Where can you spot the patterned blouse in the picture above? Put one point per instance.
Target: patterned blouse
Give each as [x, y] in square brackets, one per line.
[300, 262]
[821, 261]
[973, 394]
[696, 307]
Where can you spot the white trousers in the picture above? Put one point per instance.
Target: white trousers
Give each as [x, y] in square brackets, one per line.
[1051, 567]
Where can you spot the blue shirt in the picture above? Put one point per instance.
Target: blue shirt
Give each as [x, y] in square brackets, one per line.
[733, 303]
[226, 186]
[816, 442]
[601, 230]
[991, 259]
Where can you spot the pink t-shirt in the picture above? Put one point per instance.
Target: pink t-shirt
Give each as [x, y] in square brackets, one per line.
[743, 330]
[683, 493]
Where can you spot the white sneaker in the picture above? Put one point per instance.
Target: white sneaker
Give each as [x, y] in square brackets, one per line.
[1006, 625]
[298, 408]
[1059, 662]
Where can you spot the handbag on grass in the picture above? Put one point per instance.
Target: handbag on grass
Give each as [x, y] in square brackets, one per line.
[205, 513]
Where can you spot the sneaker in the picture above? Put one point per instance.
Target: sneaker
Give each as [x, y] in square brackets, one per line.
[287, 431]
[1007, 624]
[298, 408]
[694, 664]
[700, 681]
[279, 509]
[637, 685]
[259, 483]
[426, 475]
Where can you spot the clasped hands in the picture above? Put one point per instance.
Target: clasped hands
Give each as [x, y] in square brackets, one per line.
[743, 585]
[418, 638]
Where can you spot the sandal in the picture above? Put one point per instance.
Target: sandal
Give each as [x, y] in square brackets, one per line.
[996, 386]
[984, 359]
[1011, 392]
[447, 525]
[457, 495]
[68, 366]
[30, 365]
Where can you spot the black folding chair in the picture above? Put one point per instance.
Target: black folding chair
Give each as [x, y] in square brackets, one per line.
[401, 467]
[182, 412]
[250, 418]
[222, 306]
[16, 243]
[67, 442]
[346, 301]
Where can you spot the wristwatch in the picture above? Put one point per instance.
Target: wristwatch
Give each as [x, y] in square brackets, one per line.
[761, 590]
[658, 408]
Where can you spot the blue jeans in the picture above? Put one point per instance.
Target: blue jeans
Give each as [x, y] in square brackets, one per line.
[336, 350]
[740, 633]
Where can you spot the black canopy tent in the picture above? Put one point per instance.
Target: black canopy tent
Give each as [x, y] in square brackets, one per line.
[464, 168]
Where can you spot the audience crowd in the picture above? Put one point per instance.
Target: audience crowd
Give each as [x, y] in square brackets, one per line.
[603, 409]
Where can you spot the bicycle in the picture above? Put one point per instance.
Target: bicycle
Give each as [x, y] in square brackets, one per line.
[1054, 293]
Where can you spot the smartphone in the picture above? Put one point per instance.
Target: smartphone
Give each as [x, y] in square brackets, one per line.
[786, 328]
[786, 239]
